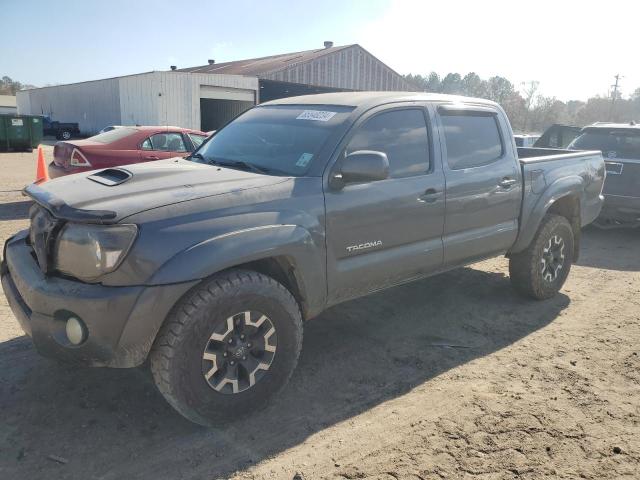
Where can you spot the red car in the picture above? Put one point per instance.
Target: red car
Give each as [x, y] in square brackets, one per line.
[123, 146]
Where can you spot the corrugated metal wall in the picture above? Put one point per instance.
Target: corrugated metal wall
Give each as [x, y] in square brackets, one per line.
[172, 98]
[93, 105]
[154, 98]
[352, 68]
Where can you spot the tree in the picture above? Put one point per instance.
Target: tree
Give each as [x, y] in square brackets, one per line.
[528, 111]
[474, 86]
[452, 84]
[9, 86]
[500, 89]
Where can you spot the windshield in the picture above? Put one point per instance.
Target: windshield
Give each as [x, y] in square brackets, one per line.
[278, 139]
[612, 143]
[112, 135]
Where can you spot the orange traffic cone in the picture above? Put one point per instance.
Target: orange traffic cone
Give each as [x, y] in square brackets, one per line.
[42, 172]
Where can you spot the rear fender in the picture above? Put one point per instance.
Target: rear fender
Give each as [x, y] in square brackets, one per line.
[295, 243]
[534, 210]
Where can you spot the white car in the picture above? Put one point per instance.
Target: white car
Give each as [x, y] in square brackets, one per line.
[109, 128]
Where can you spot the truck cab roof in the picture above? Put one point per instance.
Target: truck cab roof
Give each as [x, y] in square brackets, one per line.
[614, 126]
[371, 99]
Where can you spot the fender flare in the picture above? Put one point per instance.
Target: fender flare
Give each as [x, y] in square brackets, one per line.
[293, 242]
[531, 218]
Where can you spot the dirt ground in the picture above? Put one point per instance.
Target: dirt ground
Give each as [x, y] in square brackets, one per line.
[451, 377]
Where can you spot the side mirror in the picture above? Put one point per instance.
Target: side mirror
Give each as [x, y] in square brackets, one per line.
[361, 166]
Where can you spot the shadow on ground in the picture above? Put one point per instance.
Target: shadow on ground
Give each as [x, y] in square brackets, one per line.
[113, 424]
[613, 249]
[15, 210]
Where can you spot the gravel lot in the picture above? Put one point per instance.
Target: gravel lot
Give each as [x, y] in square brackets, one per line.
[450, 377]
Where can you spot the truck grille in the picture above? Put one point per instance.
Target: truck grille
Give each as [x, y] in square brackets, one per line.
[41, 232]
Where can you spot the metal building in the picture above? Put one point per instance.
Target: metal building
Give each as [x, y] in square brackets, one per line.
[154, 98]
[208, 96]
[8, 104]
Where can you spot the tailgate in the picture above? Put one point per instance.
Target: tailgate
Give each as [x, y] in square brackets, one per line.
[623, 177]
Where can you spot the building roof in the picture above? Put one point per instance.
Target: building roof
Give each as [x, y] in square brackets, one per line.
[262, 65]
[7, 101]
[358, 99]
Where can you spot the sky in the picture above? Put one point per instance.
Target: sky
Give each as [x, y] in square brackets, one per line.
[573, 48]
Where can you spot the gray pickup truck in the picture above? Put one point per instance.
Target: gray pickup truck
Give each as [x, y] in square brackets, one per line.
[620, 146]
[209, 265]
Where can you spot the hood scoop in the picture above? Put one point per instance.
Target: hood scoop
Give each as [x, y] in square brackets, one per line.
[111, 176]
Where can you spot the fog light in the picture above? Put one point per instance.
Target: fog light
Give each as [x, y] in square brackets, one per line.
[76, 331]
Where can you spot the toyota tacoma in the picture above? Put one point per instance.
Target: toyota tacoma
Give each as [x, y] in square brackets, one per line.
[210, 265]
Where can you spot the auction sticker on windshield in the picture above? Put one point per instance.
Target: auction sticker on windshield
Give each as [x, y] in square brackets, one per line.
[317, 115]
[304, 159]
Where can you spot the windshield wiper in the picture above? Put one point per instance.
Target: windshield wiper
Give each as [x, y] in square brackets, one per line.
[242, 165]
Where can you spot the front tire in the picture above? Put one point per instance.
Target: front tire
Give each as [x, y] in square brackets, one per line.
[227, 347]
[539, 272]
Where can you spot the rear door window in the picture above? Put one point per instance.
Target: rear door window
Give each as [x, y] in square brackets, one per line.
[165, 142]
[472, 139]
[402, 135]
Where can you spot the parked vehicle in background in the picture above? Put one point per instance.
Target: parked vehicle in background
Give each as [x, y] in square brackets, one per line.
[109, 128]
[123, 146]
[60, 130]
[525, 140]
[209, 265]
[620, 146]
[557, 136]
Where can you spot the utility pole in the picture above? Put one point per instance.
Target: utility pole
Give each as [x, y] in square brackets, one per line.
[614, 96]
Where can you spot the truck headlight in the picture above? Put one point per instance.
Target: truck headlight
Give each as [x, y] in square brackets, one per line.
[87, 252]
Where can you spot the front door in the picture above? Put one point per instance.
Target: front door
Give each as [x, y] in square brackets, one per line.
[484, 185]
[384, 232]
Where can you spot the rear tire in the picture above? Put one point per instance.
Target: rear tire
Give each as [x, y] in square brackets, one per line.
[539, 272]
[192, 357]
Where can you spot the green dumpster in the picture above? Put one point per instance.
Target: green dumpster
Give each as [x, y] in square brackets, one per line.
[20, 132]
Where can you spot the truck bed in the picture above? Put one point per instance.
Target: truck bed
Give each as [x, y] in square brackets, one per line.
[533, 154]
[548, 174]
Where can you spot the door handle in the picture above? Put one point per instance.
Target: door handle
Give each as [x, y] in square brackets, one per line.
[429, 196]
[507, 182]
[151, 157]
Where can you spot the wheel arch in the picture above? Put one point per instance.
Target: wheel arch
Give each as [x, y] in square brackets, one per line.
[563, 198]
[568, 207]
[287, 253]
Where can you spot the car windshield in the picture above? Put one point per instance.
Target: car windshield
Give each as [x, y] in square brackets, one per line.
[612, 143]
[277, 139]
[112, 135]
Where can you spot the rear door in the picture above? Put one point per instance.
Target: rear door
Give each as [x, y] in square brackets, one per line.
[163, 145]
[484, 188]
[385, 232]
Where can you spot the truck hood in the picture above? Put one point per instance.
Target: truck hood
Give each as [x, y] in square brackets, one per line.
[150, 185]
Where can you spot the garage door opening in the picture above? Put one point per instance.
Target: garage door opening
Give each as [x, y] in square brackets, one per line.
[214, 113]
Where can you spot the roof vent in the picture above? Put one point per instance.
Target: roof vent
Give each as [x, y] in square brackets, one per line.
[328, 44]
[173, 67]
[211, 61]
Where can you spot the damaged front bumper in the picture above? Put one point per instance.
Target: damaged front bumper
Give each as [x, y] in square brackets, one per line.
[121, 322]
